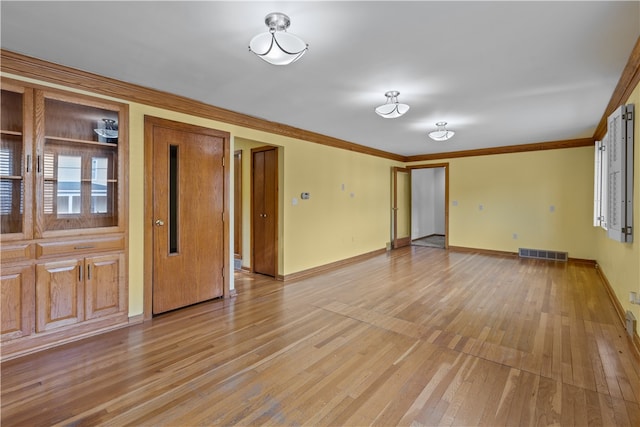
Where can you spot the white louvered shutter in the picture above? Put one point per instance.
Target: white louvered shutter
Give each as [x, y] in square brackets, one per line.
[619, 174]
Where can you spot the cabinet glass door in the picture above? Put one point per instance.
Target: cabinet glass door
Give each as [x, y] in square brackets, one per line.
[79, 166]
[12, 158]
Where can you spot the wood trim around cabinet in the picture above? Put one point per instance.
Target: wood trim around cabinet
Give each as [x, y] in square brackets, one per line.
[54, 338]
[150, 123]
[27, 93]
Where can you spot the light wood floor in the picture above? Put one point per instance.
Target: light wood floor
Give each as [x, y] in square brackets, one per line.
[417, 336]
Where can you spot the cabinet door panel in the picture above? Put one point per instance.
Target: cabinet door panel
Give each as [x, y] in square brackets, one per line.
[104, 285]
[79, 163]
[16, 177]
[59, 294]
[17, 297]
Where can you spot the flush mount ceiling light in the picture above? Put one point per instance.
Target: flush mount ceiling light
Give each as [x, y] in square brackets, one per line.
[276, 46]
[392, 108]
[441, 134]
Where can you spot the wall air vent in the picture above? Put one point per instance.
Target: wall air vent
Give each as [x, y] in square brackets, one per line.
[543, 254]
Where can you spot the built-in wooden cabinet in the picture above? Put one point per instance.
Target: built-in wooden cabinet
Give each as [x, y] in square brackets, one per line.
[63, 216]
[16, 174]
[76, 165]
[105, 290]
[18, 301]
[59, 294]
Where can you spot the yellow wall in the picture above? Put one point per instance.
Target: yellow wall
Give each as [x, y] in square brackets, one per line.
[620, 262]
[316, 231]
[334, 224]
[348, 213]
[517, 192]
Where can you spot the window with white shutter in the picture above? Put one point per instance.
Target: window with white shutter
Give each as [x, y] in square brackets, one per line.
[617, 181]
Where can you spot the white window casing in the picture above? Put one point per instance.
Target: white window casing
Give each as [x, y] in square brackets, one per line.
[599, 184]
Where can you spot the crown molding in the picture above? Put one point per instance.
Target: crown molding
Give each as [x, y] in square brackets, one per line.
[29, 67]
[25, 66]
[629, 79]
[521, 148]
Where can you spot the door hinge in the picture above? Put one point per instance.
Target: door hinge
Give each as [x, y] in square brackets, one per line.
[629, 115]
[626, 230]
[222, 271]
[223, 162]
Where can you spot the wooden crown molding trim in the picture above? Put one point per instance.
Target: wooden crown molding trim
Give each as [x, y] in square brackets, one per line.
[629, 79]
[538, 146]
[38, 69]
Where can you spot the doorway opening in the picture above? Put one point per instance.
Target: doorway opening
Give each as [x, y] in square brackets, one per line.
[429, 206]
[258, 214]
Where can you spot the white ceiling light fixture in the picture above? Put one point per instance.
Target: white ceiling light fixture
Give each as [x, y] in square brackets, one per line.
[277, 46]
[441, 133]
[392, 108]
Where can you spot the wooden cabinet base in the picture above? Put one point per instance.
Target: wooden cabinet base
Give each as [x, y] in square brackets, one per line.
[19, 347]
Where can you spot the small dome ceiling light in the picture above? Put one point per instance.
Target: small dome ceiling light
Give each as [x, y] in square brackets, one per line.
[277, 46]
[441, 133]
[392, 108]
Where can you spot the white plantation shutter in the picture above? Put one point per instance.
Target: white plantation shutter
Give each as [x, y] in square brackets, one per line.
[619, 174]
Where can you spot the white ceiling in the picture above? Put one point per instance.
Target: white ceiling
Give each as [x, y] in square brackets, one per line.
[500, 73]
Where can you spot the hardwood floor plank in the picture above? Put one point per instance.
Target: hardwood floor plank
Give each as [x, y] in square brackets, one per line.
[548, 406]
[415, 336]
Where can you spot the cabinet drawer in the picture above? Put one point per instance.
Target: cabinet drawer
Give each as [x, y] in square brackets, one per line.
[98, 244]
[16, 253]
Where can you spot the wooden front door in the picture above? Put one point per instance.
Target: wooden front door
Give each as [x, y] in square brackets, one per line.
[264, 207]
[188, 215]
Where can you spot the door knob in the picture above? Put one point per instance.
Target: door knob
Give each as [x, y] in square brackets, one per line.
[159, 222]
